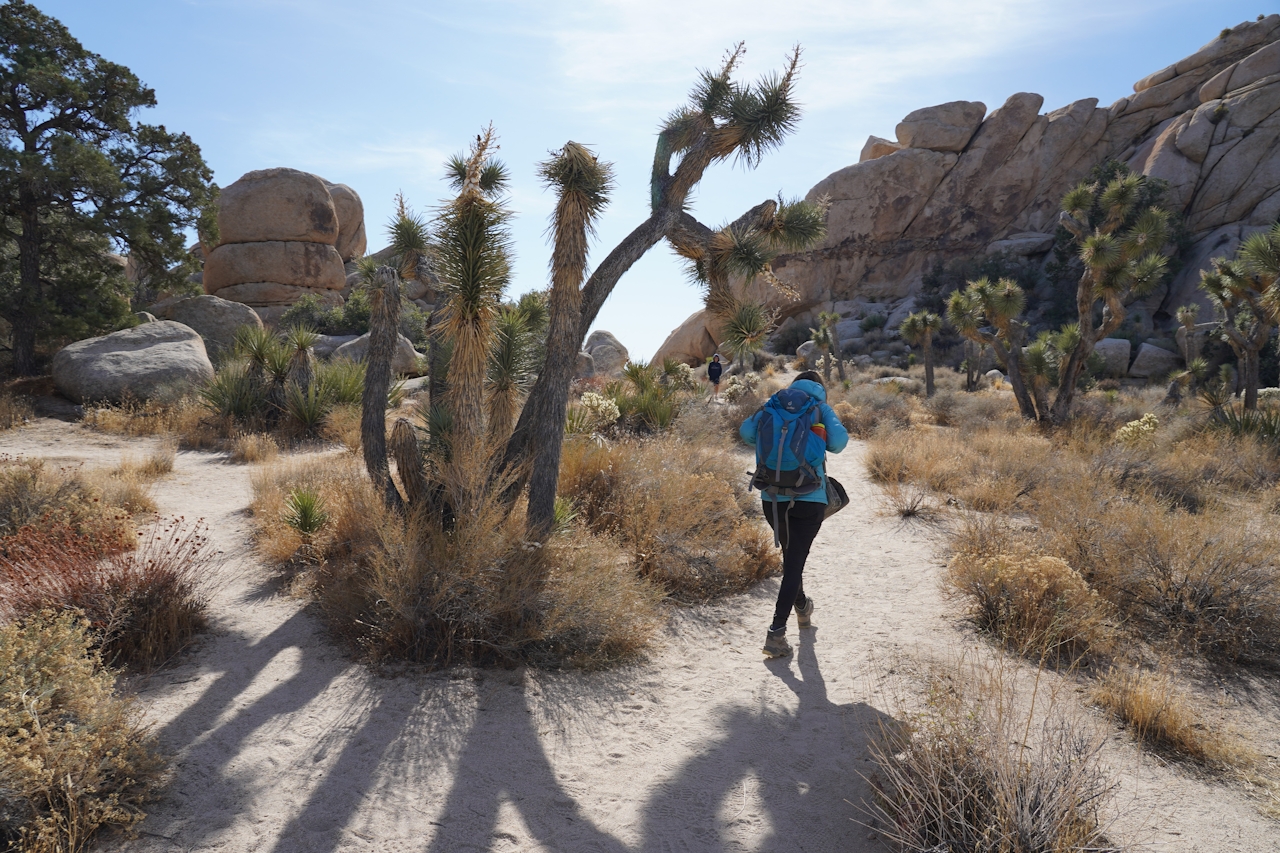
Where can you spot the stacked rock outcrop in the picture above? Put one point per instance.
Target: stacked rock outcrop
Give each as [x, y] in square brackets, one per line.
[284, 234]
[959, 182]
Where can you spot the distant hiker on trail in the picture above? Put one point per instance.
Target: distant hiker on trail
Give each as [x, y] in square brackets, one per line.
[714, 370]
[792, 434]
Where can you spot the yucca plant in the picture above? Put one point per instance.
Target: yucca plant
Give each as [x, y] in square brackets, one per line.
[744, 330]
[473, 245]
[305, 512]
[298, 341]
[511, 371]
[306, 407]
[986, 313]
[235, 392]
[341, 381]
[1247, 300]
[255, 344]
[1121, 235]
[918, 329]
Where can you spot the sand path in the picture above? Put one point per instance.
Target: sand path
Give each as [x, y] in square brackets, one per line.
[282, 744]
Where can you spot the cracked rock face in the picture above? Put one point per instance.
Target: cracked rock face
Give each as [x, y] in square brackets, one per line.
[1208, 124]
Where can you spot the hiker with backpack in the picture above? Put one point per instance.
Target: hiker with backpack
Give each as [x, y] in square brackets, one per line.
[792, 433]
[714, 371]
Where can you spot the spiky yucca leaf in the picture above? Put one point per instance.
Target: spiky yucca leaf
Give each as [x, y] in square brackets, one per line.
[918, 325]
[493, 178]
[964, 311]
[1148, 234]
[1260, 254]
[1146, 273]
[1187, 315]
[1119, 198]
[746, 328]
[410, 237]
[510, 371]
[1078, 201]
[799, 224]
[1005, 301]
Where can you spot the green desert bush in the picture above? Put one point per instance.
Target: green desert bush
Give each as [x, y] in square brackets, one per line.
[73, 756]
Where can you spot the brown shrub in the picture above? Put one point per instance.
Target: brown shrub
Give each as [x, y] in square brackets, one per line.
[143, 606]
[73, 757]
[672, 506]
[1164, 718]
[185, 418]
[253, 448]
[963, 774]
[14, 410]
[35, 498]
[343, 426]
[1035, 604]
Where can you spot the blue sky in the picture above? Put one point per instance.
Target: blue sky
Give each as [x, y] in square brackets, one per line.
[376, 94]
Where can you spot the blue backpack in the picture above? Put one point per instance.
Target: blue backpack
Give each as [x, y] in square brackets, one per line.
[787, 450]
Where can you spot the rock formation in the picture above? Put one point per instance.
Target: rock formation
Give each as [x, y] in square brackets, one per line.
[958, 183]
[161, 359]
[284, 234]
[216, 320]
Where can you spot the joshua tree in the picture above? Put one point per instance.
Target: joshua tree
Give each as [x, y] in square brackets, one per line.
[745, 330]
[1187, 316]
[919, 329]
[1244, 294]
[986, 313]
[384, 299]
[582, 184]
[723, 119]
[823, 338]
[1121, 235]
[473, 246]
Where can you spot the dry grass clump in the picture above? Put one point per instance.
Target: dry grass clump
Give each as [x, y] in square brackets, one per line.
[478, 592]
[974, 771]
[253, 448]
[1209, 581]
[186, 418]
[15, 410]
[73, 757]
[1035, 604]
[142, 606]
[672, 507]
[1163, 718]
[35, 498]
[343, 426]
[354, 512]
[865, 408]
[470, 591]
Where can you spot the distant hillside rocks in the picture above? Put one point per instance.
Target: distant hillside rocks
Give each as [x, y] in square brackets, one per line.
[960, 182]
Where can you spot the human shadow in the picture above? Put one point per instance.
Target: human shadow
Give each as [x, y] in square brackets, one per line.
[792, 774]
[504, 760]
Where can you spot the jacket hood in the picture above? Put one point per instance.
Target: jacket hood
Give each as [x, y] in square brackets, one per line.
[813, 389]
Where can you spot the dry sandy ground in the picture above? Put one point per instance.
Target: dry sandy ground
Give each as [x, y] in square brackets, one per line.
[282, 744]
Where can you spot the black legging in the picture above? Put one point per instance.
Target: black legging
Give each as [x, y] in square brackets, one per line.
[799, 526]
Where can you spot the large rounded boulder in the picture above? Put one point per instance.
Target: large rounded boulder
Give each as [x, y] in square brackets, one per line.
[155, 360]
[215, 320]
[277, 204]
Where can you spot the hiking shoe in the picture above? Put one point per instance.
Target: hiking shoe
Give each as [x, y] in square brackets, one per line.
[803, 613]
[776, 645]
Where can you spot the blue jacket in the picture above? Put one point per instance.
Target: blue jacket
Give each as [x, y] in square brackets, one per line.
[837, 435]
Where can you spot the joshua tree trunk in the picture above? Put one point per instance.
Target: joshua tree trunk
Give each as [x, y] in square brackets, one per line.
[927, 347]
[408, 456]
[826, 365]
[1011, 362]
[383, 330]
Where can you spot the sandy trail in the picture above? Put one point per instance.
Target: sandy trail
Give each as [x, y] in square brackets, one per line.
[283, 745]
